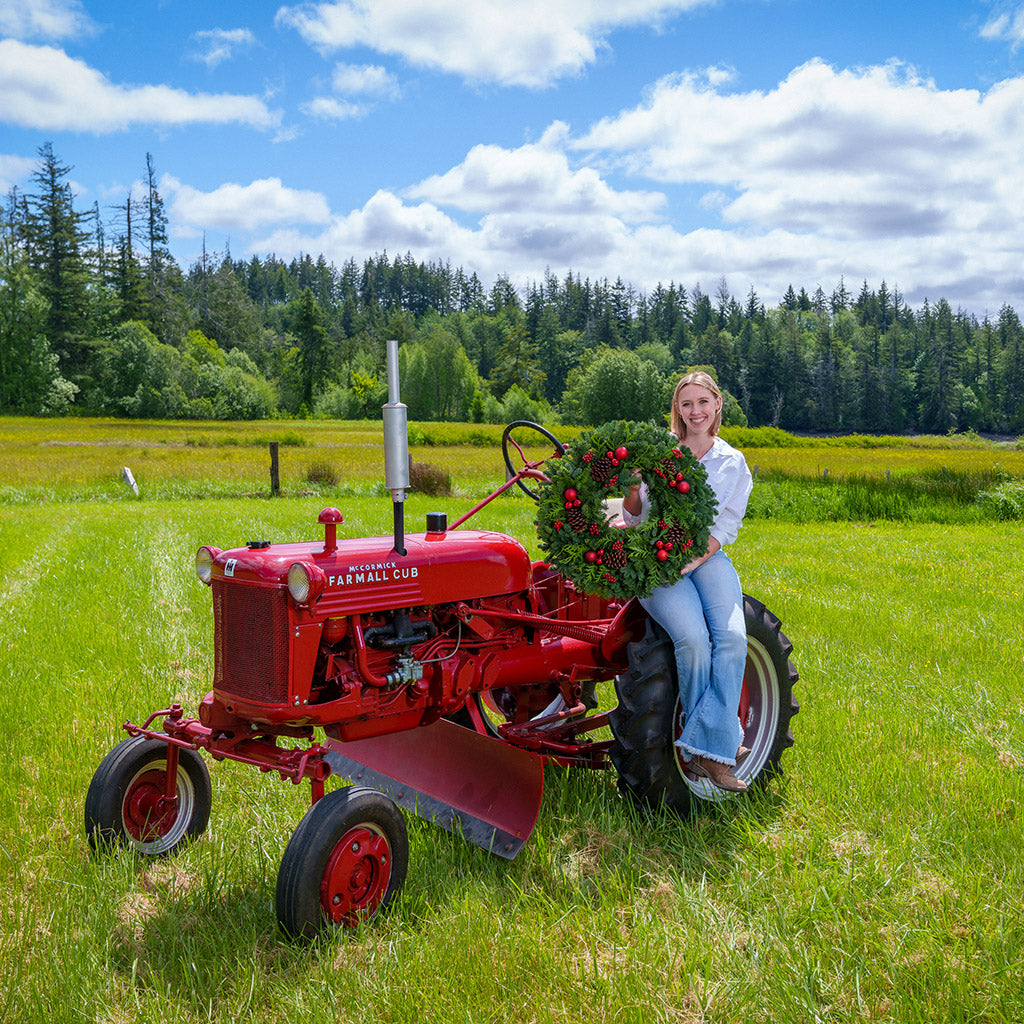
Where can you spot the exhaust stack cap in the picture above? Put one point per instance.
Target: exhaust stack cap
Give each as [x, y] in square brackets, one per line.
[396, 434]
[437, 522]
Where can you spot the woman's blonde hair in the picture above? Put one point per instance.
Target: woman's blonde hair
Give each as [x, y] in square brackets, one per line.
[703, 380]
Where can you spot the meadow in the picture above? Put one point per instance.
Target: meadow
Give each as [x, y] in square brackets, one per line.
[879, 879]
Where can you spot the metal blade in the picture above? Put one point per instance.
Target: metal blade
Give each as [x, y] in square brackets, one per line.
[478, 786]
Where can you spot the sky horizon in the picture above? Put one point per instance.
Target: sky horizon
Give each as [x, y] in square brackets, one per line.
[768, 143]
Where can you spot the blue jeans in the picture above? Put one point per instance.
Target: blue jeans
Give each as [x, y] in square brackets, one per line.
[703, 615]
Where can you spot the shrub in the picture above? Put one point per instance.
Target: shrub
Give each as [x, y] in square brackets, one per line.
[1005, 501]
[431, 480]
[322, 473]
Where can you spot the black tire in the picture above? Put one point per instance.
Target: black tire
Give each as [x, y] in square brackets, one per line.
[344, 864]
[506, 439]
[645, 724]
[124, 804]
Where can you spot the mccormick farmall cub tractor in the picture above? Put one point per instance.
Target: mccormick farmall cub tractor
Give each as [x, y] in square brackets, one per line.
[439, 672]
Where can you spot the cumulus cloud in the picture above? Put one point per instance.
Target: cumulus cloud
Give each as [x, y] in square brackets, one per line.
[43, 19]
[533, 180]
[868, 160]
[217, 45]
[231, 207]
[364, 80]
[45, 89]
[529, 43]
[369, 82]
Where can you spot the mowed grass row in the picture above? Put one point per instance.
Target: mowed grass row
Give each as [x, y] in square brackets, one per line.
[880, 879]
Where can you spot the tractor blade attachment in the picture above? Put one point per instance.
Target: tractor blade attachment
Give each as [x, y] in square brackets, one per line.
[476, 785]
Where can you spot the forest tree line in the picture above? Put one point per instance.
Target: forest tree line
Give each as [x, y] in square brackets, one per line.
[97, 318]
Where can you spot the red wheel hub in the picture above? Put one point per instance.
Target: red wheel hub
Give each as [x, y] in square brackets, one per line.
[356, 877]
[146, 811]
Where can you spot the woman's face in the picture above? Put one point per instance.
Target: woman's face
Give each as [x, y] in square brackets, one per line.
[697, 408]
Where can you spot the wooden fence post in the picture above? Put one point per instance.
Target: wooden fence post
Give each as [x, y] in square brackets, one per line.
[275, 480]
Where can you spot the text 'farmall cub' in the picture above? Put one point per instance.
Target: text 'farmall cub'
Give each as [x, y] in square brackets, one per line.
[437, 672]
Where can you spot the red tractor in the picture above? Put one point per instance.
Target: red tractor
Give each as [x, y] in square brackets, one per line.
[438, 672]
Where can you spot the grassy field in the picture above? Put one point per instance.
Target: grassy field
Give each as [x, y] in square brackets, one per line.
[881, 879]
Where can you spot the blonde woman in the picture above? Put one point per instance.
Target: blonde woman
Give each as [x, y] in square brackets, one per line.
[702, 612]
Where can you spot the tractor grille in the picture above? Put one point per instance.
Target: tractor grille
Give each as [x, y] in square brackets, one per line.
[251, 642]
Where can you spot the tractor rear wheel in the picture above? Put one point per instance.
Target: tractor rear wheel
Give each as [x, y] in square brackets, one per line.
[126, 802]
[344, 864]
[646, 724]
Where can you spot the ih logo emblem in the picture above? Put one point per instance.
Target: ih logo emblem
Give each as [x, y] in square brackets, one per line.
[229, 566]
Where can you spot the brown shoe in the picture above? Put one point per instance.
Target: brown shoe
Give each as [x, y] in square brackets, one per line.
[741, 755]
[718, 774]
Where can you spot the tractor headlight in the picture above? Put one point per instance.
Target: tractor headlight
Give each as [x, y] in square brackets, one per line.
[305, 582]
[204, 563]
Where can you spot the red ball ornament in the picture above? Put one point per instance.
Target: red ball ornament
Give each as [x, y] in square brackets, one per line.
[662, 555]
[622, 452]
[609, 455]
[570, 494]
[684, 487]
[590, 556]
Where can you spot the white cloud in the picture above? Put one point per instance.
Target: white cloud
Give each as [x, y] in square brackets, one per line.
[370, 81]
[43, 19]
[253, 207]
[364, 80]
[1006, 25]
[220, 44]
[14, 170]
[329, 108]
[533, 180]
[45, 89]
[530, 43]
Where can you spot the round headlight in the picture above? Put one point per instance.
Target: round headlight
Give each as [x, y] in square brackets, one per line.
[299, 583]
[305, 582]
[204, 563]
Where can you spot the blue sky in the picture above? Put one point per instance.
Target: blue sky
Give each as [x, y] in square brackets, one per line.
[766, 142]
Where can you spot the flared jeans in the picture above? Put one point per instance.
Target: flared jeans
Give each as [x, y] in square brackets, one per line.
[703, 615]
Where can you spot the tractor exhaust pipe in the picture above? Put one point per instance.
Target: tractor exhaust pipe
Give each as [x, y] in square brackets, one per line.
[396, 447]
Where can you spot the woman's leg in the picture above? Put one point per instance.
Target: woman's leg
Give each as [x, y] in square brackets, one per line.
[712, 724]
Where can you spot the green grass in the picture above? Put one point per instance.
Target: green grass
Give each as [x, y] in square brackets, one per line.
[881, 879]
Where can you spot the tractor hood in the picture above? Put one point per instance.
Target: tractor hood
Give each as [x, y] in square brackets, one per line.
[366, 574]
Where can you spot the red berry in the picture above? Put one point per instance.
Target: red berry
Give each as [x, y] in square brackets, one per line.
[684, 487]
[622, 452]
[570, 494]
[662, 555]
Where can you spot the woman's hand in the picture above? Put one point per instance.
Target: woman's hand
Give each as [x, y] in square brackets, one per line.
[631, 503]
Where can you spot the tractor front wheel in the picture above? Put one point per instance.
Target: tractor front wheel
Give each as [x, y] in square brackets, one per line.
[127, 799]
[345, 863]
[652, 770]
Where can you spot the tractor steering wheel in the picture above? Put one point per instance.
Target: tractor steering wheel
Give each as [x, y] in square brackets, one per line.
[507, 439]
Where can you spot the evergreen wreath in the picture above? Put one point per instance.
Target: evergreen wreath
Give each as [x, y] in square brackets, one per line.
[602, 559]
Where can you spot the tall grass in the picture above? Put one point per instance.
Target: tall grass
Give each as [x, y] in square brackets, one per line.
[881, 879]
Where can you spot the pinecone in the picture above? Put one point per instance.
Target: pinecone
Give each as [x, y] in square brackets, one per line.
[615, 558]
[601, 468]
[576, 519]
[668, 467]
[675, 534]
